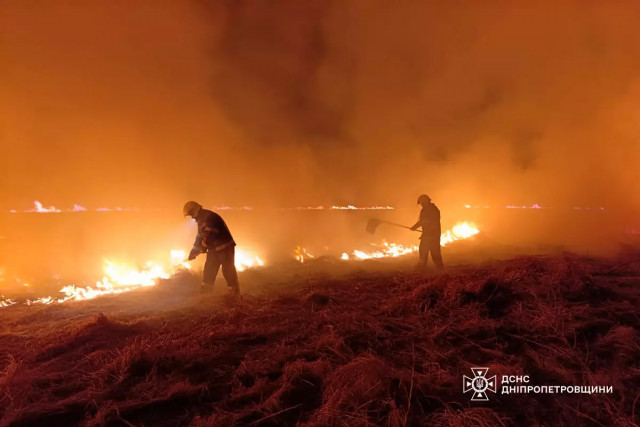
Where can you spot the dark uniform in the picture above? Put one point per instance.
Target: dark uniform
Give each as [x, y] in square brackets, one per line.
[429, 220]
[215, 239]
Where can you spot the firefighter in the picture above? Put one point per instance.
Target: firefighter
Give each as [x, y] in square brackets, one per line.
[429, 220]
[215, 239]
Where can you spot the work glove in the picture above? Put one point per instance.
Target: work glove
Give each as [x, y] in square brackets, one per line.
[193, 254]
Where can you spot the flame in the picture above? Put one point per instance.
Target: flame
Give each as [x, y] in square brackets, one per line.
[179, 259]
[126, 275]
[120, 277]
[534, 206]
[367, 208]
[38, 207]
[304, 208]
[5, 302]
[477, 207]
[231, 208]
[41, 209]
[302, 254]
[244, 260]
[386, 250]
[337, 207]
[460, 231]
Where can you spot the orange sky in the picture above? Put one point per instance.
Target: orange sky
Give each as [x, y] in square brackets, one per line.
[148, 103]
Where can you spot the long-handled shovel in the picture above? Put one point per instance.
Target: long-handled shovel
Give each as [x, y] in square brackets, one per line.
[373, 223]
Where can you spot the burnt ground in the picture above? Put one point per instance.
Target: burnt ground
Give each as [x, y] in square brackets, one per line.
[378, 346]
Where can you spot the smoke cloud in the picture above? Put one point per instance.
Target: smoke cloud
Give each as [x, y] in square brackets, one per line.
[285, 103]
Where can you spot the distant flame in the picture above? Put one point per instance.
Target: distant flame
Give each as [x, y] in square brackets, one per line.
[5, 302]
[41, 209]
[367, 208]
[534, 206]
[302, 254]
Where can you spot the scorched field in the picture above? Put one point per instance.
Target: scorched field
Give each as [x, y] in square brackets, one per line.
[375, 344]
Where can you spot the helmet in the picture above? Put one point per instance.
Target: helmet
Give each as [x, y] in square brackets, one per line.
[191, 208]
[423, 199]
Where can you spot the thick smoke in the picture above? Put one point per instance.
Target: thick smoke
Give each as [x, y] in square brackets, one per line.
[493, 103]
[140, 103]
[287, 103]
[488, 104]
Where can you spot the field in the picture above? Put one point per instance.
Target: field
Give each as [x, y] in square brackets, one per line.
[375, 344]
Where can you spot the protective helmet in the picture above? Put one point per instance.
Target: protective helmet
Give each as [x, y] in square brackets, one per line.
[191, 208]
[423, 198]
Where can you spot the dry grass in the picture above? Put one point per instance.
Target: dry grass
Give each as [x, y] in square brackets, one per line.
[382, 348]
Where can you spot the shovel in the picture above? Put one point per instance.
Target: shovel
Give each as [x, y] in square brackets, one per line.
[373, 223]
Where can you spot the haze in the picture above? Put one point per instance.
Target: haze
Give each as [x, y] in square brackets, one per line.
[282, 103]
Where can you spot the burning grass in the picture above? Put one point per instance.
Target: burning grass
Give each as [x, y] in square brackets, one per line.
[382, 348]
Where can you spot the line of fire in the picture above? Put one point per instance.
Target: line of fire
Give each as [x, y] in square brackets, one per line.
[319, 213]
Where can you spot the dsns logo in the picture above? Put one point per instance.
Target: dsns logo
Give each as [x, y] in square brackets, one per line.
[479, 384]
